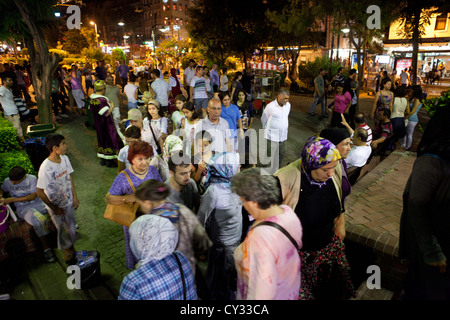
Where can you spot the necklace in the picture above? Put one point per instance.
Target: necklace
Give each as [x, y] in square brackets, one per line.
[139, 174]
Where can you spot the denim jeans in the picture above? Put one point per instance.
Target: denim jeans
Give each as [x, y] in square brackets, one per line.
[322, 102]
[132, 105]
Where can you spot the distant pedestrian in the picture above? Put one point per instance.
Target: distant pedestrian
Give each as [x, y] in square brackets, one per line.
[124, 70]
[319, 94]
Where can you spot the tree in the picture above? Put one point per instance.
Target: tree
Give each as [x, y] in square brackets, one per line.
[171, 50]
[296, 24]
[353, 16]
[25, 19]
[225, 28]
[74, 41]
[414, 17]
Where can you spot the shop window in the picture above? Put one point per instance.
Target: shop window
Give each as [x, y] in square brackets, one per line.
[441, 22]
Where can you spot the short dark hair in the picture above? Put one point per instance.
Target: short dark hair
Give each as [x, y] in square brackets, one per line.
[352, 71]
[152, 190]
[198, 68]
[387, 112]
[53, 139]
[362, 134]
[178, 158]
[359, 118]
[17, 173]
[400, 92]
[132, 132]
[156, 72]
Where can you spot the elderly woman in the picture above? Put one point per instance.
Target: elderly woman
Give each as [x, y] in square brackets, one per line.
[193, 239]
[171, 144]
[162, 272]
[221, 209]
[309, 186]
[139, 155]
[267, 262]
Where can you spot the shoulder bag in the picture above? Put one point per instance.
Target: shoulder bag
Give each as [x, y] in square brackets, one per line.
[125, 213]
[283, 230]
[182, 276]
[158, 149]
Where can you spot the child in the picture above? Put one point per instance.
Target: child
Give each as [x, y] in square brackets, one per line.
[132, 133]
[177, 115]
[189, 123]
[341, 104]
[22, 190]
[56, 188]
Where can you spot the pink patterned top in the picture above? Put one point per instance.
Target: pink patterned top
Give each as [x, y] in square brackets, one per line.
[267, 263]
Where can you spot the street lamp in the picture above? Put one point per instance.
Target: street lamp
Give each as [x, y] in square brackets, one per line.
[122, 24]
[345, 31]
[96, 35]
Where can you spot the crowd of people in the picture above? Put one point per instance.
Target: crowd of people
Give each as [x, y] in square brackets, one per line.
[178, 154]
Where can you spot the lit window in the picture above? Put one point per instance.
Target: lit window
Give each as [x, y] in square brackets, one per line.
[175, 7]
[164, 8]
[441, 22]
[180, 7]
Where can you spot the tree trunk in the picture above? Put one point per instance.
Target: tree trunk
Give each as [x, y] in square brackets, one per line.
[415, 45]
[43, 65]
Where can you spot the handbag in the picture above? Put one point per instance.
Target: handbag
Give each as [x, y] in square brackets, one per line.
[158, 149]
[125, 213]
[182, 275]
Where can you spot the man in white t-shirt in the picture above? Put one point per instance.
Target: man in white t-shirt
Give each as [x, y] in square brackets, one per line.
[199, 92]
[56, 188]
[161, 89]
[360, 152]
[10, 110]
[188, 74]
[404, 78]
[131, 90]
[275, 120]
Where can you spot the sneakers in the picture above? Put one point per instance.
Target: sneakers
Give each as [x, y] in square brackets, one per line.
[49, 255]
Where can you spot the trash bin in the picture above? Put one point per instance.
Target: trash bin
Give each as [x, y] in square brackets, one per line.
[36, 150]
[41, 130]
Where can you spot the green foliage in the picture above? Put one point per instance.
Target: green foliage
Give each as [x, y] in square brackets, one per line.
[75, 41]
[8, 136]
[118, 55]
[308, 71]
[170, 51]
[93, 54]
[194, 54]
[70, 61]
[62, 53]
[8, 160]
[432, 105]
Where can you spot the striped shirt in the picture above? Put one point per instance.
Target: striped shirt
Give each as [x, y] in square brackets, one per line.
[159, 280]
[199, 85]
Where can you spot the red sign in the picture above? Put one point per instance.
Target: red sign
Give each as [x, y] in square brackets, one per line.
[403, 64]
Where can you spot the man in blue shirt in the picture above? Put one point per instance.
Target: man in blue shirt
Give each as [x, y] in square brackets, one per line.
[215, 79]
[123, 72]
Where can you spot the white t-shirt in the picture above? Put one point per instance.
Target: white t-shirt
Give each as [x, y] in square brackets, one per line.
[358, 156]
[22, 189]
[224, 83]
[189, 73]
[399, 107]
[130, 90]
[275, 119]
[176, 119]
[161, 88]
[54, 178]
[123, 156]
[173, 82]
[7, 101]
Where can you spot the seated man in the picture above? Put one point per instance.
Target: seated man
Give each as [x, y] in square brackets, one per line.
[360, 152]
[22, 189]
[383, 133]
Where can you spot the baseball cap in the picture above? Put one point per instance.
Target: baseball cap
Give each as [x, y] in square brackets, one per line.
[134, 114]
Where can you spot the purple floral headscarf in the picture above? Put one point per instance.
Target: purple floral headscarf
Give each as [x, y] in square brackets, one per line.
[317, 153]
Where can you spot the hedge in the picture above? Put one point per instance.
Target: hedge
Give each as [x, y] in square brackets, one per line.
[8, 136]
[9, 160]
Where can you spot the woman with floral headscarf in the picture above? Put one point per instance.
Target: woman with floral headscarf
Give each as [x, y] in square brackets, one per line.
[171, 144]
[162, 272]
[221, 213]
[309, 186]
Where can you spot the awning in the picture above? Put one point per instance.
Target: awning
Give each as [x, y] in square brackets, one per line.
[268, 65]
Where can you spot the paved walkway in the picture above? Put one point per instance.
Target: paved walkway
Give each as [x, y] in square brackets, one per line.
[92, 182]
